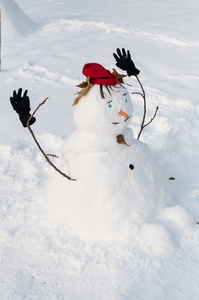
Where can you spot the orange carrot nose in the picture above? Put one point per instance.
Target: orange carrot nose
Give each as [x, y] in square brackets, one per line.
[123, 114]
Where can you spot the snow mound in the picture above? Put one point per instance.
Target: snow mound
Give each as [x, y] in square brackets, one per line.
[14, 20]
[116, 191]
[118, 187]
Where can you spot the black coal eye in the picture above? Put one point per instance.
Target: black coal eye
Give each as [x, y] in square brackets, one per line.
[131, 166]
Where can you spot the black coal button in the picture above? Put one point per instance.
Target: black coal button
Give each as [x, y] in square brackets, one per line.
[131, 166]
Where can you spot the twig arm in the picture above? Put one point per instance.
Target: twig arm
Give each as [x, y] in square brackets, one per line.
[42, 151]
[53, 155]
[144, 114]
[152, 117]
[137, 93]
[143, 125]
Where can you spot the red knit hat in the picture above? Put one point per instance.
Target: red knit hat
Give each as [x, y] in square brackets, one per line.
[98, 74]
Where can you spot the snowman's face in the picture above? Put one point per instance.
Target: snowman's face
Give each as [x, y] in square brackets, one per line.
[110, 114]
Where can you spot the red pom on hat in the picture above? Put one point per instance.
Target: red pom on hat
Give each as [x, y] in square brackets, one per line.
[98, 74]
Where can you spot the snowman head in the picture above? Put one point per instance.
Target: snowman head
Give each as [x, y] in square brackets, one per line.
[105, 106]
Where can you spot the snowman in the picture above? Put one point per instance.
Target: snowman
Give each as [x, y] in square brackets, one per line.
[119, 186]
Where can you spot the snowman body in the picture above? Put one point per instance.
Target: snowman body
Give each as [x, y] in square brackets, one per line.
[118, 186]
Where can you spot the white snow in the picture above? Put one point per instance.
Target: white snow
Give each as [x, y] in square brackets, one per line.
[15, 21]
[43, 258]
[92, 114]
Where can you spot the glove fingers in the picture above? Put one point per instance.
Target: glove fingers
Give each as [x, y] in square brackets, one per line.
[27, 103]
[25, 99]
[25, 94]
[14, 95]
[124, 52]
[19, 94]
[119, 53]
[116, 57]
[128, 54]
[12, 102]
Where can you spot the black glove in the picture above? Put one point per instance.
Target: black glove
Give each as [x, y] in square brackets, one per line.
[21, 104]
[125, 62]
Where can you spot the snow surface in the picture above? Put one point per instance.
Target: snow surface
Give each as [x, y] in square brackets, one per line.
[40, 257]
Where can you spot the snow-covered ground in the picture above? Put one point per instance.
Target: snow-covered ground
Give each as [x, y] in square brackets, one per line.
[45, 44]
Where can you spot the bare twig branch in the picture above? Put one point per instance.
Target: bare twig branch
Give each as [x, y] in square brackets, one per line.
[144, 114]
[53, 155]
[46, 156]
[152, 118]
[143, 125]
[137, 93]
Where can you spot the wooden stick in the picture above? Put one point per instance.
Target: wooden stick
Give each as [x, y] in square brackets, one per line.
[144, 115]
[42, 151]
[152, 117]
[143, 125]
